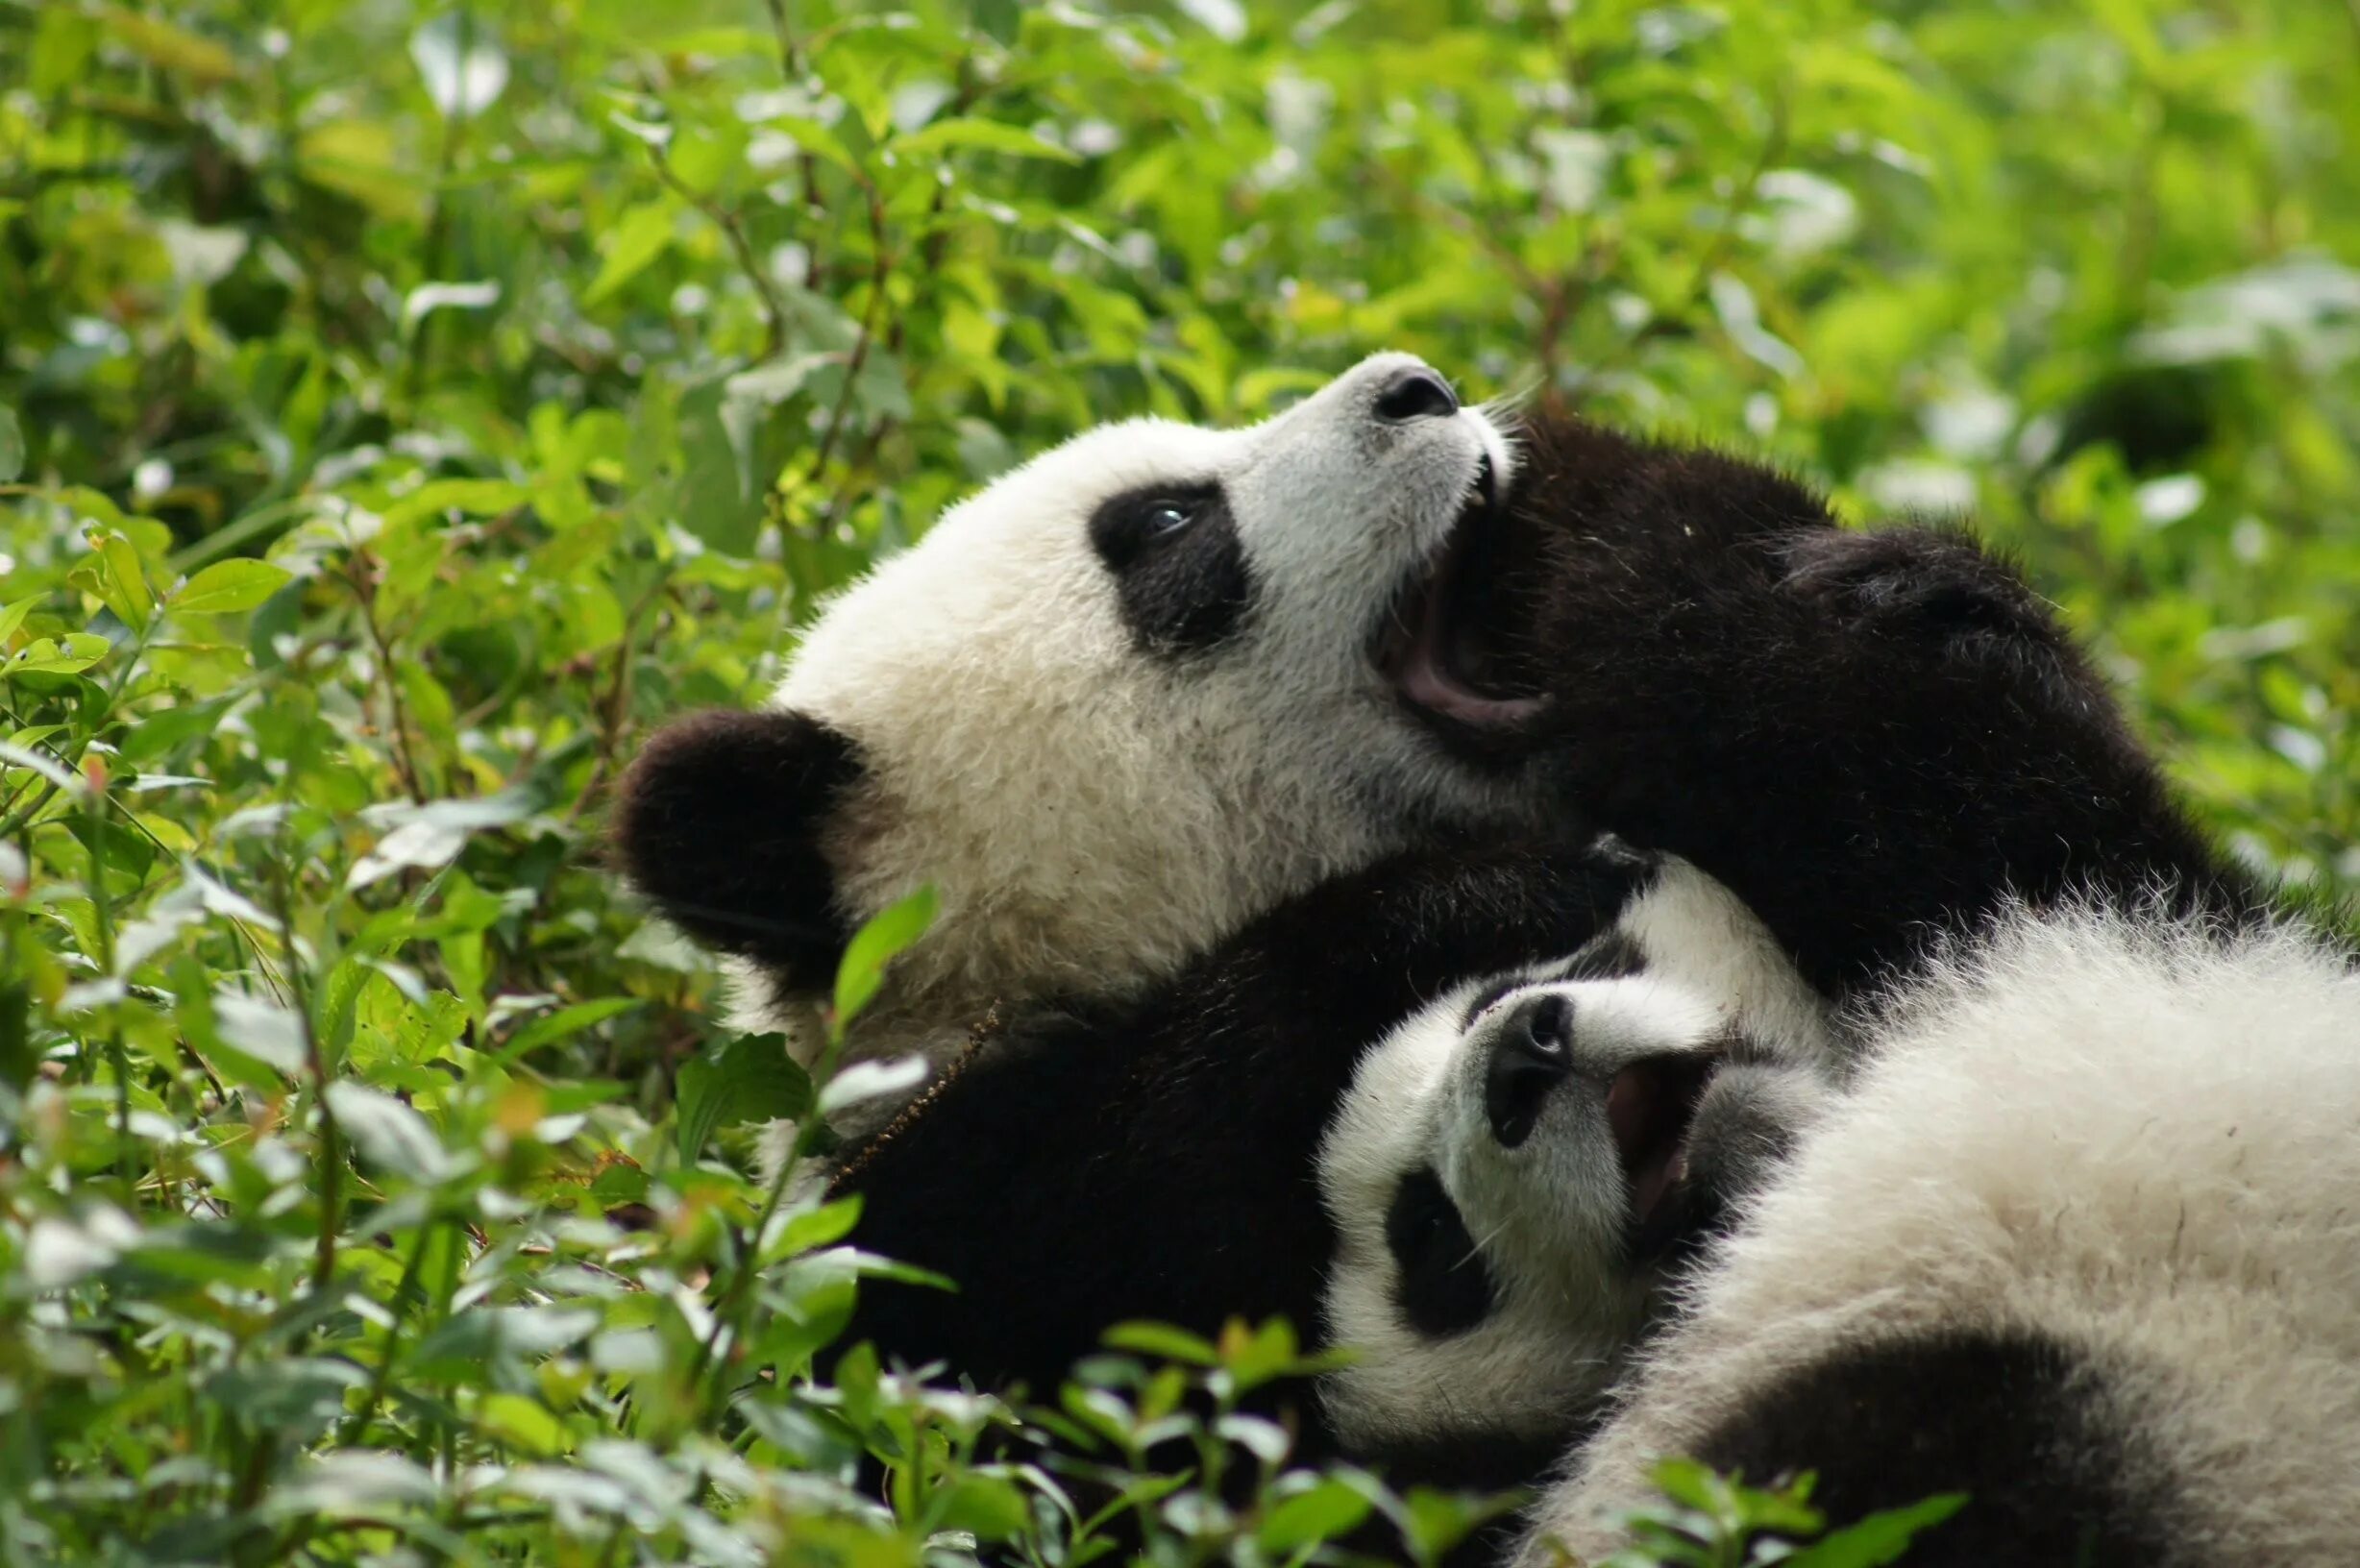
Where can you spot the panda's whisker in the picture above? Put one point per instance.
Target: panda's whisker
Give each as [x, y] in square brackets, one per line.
[1508, 405]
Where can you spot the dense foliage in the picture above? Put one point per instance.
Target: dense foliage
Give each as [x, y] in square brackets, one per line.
[401, 408]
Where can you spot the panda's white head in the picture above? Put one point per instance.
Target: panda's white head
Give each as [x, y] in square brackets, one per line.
[1127, 697]
[1519, 1169]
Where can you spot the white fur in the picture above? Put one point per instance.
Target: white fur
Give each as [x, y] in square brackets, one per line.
[2139, 1138]
[1548, 1215]
[1092, 815]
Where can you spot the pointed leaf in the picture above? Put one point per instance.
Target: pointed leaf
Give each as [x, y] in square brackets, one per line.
[228, 586]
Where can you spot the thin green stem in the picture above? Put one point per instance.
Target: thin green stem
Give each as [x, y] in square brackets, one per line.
[357, 1425]
[315, 1058]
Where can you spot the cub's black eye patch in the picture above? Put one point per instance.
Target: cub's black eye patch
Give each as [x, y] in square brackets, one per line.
[1177, 563]
[1444, 1287]
[1484, 998]
[1611, 956]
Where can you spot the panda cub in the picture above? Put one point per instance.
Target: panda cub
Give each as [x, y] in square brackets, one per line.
[2077, 1240]
[1520, 1172]
[2062, 1220]
[1122, 701]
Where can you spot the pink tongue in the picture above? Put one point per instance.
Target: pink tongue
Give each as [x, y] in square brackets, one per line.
[1631, 1102]
[1633, 1105]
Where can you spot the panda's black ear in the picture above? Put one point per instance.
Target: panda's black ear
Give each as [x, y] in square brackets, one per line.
[1931, 584]
[718, 823]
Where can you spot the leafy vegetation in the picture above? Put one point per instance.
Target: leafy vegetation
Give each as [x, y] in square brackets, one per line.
[404, 406]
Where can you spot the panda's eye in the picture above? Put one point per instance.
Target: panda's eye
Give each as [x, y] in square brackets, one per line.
[1164, 517]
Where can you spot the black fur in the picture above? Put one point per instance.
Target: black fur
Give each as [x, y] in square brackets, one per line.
[1614, 956]
[1869, 737]
[2010, 1420]
[1157, 1160]
[717, 822]
[1184, 588]
[1444, 1287]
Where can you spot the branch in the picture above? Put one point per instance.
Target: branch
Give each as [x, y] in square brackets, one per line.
[880, 267]
[364, 593]
[740, 246]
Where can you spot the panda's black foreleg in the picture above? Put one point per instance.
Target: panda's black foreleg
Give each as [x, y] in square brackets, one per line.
[2015, 1420]
[1153, 1158]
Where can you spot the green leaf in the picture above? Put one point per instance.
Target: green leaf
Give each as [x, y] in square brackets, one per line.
[981, 135]
[887, 933]
[166, 730]
[229, 586]
[1323, 1512]
[643, 234]
[564, 1022]
[354, 1481]
[472, 498]
[987, 1506]
[1879, 1539]
[387, 1132]
[460, 62]
[173, 48]
[123, 585]
[58, 656]
[12, 447]
[1162, 1339]
[822, 1227]
[751, 1078]
[13, 616]
[1253, 1356]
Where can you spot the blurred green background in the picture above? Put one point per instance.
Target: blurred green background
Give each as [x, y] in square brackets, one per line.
[403, 408]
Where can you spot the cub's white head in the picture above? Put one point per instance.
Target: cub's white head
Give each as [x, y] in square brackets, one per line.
[1519, 1169]
[1129, 696]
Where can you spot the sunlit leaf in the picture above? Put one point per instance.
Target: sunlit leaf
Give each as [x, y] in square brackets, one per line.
[229, 586]
[461, 63]
[884, 936]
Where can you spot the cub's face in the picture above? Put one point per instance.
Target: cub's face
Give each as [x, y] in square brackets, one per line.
[1124, 698]
[1519, 1169]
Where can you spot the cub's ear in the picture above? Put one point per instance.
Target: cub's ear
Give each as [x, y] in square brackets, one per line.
[718, 823]
[1930, 584]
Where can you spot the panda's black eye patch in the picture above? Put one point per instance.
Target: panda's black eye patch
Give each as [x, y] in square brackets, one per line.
[1484, 998]
[1177, 564]
[1444, 1288]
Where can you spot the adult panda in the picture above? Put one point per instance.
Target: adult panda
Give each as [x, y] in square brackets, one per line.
[1113, 707]
[1160, 680]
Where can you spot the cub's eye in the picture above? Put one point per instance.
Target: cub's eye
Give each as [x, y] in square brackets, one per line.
[1169, 516]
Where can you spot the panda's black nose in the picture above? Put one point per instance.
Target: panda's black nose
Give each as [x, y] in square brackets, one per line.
[1416, 394]
[1531, 1054]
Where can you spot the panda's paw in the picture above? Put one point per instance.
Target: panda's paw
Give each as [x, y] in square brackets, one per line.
[1610, 854]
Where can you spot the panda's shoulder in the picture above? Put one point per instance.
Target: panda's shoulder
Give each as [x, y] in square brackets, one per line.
[2087, 1089]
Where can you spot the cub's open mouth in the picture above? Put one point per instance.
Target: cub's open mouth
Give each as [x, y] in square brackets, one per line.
[1651, 1105]
[1445, 647]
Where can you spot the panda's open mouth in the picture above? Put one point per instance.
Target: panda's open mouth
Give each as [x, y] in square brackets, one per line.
[1651, 1106]
[1447, 646]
